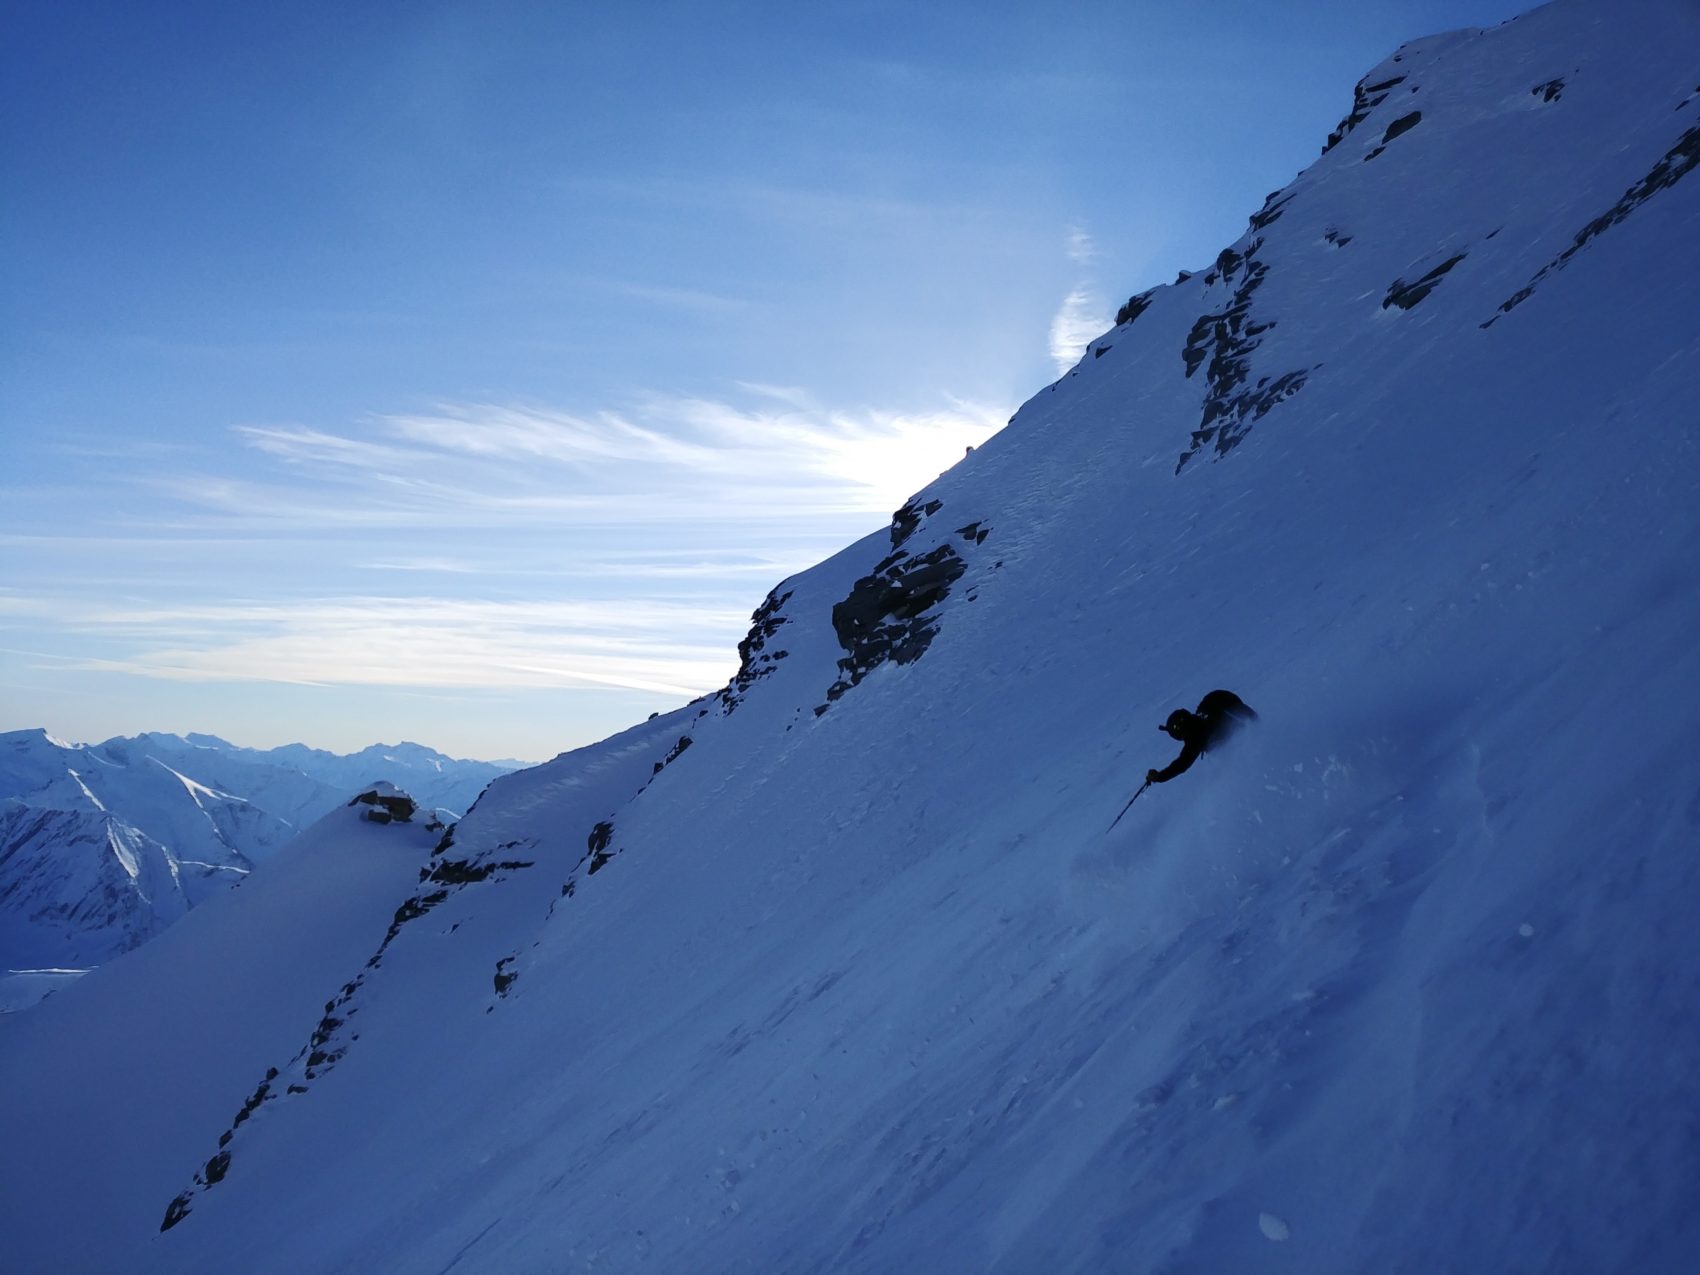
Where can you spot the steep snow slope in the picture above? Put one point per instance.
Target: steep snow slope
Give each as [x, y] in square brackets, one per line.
[142, 1062]
[855, 979]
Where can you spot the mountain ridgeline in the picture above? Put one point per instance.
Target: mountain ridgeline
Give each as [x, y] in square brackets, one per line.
[103, 846]
[838, 968]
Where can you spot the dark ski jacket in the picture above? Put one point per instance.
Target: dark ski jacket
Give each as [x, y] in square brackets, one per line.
[1218, 716]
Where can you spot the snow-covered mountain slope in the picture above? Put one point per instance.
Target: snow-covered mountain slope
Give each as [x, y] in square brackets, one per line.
[840, 968]
[82, 886]
[103, 846]
[143, 1061]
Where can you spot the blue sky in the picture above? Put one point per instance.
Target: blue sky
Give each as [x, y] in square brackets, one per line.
[468, 372]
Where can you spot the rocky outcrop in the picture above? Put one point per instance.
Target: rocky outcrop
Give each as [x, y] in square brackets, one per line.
[755, 660]
[1405, 295]
[386, 805]
[1222, 344]
[889, 614]
[1365, 98]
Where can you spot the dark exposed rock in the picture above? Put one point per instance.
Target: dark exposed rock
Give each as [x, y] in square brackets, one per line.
[411, 910]
[1273, 206]
[1135, 306]
[1550, 91]
[399, 807]
[600, 837]
[469, 871]
[1100, 351]
[754, 660]
[254, 1100]
[176, 1211]
[907, 519]
[1227, 263]
[504, 978]
[1365, 98]
[685, 741]
[216, 1168]
[1222, 343]
[1405, 295]
[974, 532]
[1336, 238]
[885, 617]
[1676, 163]
[1399, 127]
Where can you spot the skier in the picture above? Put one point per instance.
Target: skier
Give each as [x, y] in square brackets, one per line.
[1219, 715]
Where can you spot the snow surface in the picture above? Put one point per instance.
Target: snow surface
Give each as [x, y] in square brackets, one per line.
[136, 1066]
[1403, 980]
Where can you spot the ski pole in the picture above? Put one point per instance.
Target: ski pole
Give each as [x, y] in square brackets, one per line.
[1129, 806]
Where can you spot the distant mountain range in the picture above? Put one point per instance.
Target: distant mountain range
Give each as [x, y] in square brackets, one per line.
[102, 846]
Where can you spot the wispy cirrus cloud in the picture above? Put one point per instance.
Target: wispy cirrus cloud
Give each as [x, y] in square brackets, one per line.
[1076, 322]
[1081, 249]
[666, 458]
[535, 547]
[419, 641]
[1082, 314]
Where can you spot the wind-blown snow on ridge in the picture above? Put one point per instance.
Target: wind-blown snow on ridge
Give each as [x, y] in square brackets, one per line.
[838, 969]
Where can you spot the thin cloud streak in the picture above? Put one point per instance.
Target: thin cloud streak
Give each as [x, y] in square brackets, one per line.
[487, 464]
[418, 642]
[666, 510]
[1074, 325]
[1081, 249]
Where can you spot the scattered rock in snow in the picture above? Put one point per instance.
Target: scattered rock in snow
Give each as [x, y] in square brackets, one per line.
[1398, 128]
[678, 748]
[597, 846]
[1405, 295]
[1672, 167]
[1274, 204]
[1365, 98]
[1137, 304]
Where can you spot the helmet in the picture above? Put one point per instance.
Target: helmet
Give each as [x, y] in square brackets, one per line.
[1177, 721]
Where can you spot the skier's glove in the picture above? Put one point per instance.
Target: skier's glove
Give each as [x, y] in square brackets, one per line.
[1151, 777]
